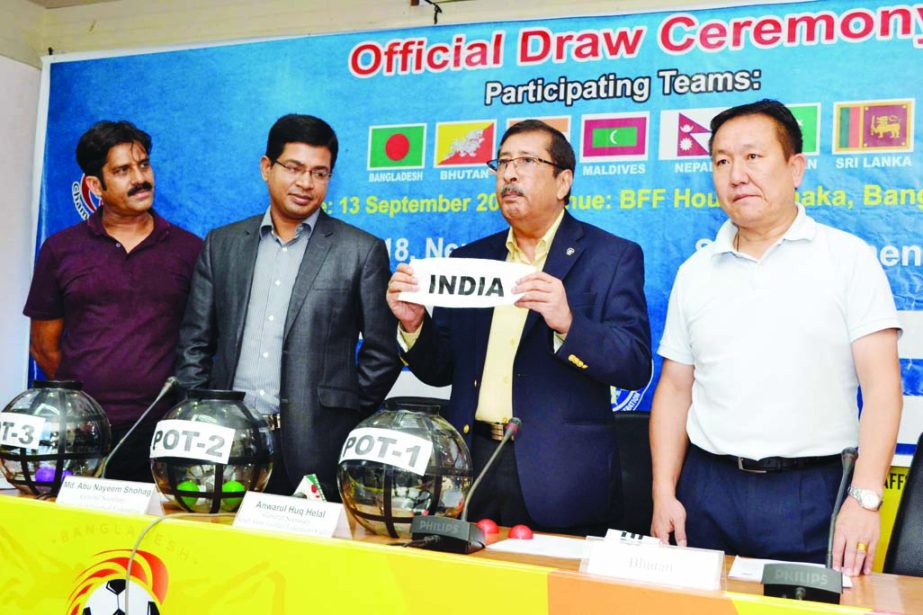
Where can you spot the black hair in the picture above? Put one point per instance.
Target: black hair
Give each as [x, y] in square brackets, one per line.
[94, 145]
[562, 154]
[787, 129]
[293, 128]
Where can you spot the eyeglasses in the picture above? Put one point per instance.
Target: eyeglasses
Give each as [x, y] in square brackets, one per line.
[525, 164]
[295, 171]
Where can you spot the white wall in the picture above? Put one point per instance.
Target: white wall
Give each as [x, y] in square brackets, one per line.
[20, 84]
[21, 31]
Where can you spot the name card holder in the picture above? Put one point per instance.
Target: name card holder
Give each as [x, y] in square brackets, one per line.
[120, 496]
[636, 560]
[265, 511]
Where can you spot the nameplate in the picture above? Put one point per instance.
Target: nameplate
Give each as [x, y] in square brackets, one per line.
[465, 282]
[192, 440]
[394, 448]
[656, 563]
[265, 511]
[119, 496]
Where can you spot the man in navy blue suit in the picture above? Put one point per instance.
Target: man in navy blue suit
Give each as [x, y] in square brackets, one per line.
[580, 327]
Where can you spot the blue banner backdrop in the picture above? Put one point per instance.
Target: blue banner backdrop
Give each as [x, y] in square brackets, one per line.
[418, 112]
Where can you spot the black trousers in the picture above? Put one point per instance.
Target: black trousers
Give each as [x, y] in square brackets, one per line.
[279, 483]
[499, 496]
[778, 515]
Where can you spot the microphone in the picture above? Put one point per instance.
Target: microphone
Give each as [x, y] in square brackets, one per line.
[804, 581]
[512, 428]
[849, 461]
[167, 386]
[458, 535]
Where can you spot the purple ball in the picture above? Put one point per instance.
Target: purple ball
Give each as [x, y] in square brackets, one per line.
[44, 474]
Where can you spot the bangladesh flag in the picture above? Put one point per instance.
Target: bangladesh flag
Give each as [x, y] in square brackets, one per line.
[396, 147]
[807, 117]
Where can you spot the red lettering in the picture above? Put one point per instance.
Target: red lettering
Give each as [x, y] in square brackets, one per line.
[737, 32]
[685, 41]
[457, 43]
[560, 44]
[866, 23]
[713, 36]
[817, 28]
[498, 49]
[767, 32]
[365, 59]
[440, 64]
[586, 47]
[626, 43]
[538, 36]
[904, 18]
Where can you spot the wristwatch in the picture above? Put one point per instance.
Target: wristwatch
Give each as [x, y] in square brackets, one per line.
[867, 498]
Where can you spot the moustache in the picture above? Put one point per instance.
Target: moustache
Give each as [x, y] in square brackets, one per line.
[510, 189]
[139, 188]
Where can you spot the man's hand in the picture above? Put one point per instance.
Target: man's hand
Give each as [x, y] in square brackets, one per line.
[546, 295]
[855, 526]
[410, 315]
[669, 516]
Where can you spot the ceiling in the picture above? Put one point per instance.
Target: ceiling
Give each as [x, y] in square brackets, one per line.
[58, 4]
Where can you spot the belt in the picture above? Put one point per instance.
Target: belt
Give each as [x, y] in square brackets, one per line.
[274, 421]
[770, 464]
[494, 431]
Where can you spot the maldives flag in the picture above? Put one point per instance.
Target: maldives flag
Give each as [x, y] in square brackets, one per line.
[614, 136]
[873, 126]
[396, 147]
[460, 144]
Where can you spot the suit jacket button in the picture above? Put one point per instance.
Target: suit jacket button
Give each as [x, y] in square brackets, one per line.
[467, 428]
[475, 383]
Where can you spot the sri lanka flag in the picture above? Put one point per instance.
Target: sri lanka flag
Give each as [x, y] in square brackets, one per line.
[873, 126]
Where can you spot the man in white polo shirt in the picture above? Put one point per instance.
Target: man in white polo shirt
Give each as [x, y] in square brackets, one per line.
[770, 331]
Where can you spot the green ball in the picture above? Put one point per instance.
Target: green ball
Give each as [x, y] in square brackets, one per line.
[232, 486]
[188, 485]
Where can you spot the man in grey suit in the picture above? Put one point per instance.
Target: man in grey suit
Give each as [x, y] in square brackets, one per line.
[278, 303]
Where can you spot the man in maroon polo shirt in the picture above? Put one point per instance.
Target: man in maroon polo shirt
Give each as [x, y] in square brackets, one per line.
[108, 294]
